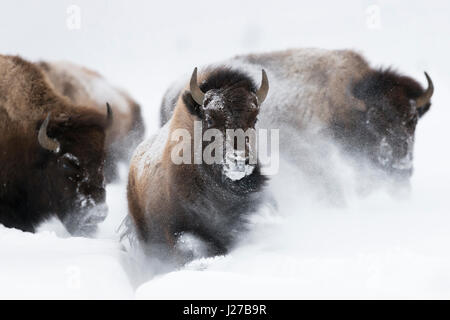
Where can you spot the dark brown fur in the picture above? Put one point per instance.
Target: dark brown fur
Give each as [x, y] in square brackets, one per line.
[36, 183]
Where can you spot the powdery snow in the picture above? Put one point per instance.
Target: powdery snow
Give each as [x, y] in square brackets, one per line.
[376, 247]
[373, 248]
[49, 267]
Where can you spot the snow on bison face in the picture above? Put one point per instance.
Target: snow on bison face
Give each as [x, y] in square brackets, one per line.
[385, 130]
[228, 103]
[70, 162]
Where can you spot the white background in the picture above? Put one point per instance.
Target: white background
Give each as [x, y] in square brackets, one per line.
[376, 248]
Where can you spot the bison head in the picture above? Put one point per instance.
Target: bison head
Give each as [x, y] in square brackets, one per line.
[385, 130]
[70, 165]
[228, 103]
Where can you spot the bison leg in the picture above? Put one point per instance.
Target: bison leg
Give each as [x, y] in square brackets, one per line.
[111, 171]
[217, 245]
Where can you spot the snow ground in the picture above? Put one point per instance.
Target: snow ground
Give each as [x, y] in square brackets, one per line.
[376, 247]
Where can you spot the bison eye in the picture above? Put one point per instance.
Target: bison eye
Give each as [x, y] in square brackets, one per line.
[70, 164]
[66, 165]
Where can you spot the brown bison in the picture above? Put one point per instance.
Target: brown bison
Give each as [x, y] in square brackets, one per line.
[317, 93]
[210, 201]
[87, 88]
[52, 153]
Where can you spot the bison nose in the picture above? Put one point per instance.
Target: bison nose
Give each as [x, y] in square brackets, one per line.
[98, 214]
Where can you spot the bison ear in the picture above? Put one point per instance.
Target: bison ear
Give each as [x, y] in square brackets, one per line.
[193, 107]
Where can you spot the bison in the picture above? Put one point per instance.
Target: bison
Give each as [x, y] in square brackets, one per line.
[371, 113]
[86, 87]
[52, 153]
[208, 200]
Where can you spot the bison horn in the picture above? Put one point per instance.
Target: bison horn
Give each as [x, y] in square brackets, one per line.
[109, 115]
[44, 140]
[196, 92]
[425, 98]
[261, 94]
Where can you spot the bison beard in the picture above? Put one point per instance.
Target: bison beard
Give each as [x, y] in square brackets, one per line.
[218, 212]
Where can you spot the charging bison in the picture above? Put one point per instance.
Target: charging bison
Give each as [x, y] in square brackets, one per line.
[86, 87]
[52, 153]
[317, 93]
[208, 200]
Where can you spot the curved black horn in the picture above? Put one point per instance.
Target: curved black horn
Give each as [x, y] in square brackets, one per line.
[425, 98]
[109, 115]
[261, 94]
[196, 92]
[44, 140]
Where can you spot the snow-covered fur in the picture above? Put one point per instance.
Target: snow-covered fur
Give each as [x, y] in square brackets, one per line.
[86, 87]
[168, 200]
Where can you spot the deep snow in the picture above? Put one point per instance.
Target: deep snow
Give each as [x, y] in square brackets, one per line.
[376, 247]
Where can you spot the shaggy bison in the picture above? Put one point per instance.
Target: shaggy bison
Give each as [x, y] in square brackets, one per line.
[316, 94]
[86, 87]
[208, 200]
[52, 153]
